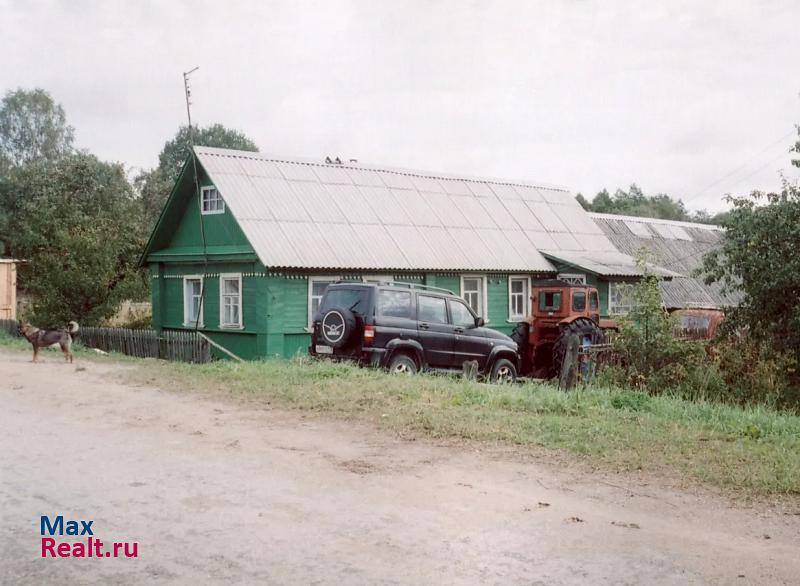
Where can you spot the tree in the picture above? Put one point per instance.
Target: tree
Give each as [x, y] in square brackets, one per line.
[758, 256]
[634, 202]
[154, 185]
[602, 203]
[32, 128]
[77, 229]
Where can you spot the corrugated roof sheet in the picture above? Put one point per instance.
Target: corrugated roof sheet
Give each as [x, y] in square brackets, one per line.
[606, 264]
[677, 246]
[308, 214]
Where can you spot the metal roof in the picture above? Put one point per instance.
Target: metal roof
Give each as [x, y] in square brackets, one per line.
[308, 214]
[607, 264]
[677, 246]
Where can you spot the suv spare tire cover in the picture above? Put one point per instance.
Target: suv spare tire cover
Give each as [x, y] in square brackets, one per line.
[338, 325]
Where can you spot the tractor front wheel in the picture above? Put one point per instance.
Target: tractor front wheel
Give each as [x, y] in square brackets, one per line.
[581, 327]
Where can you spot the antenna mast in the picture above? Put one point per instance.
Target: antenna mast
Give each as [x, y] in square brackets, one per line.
[188, 91]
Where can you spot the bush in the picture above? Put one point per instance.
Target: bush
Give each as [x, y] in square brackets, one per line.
[735, 369]
[754, 374]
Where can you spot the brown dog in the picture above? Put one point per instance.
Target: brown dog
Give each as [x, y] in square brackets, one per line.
[44, 338]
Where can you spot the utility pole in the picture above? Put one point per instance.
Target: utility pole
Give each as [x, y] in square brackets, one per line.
[188, 91]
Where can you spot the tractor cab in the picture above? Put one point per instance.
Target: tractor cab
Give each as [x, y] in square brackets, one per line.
[558, 310]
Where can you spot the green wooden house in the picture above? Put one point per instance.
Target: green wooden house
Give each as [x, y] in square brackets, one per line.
[245, 254]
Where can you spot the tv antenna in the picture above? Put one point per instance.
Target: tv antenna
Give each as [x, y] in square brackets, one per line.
[188, 91]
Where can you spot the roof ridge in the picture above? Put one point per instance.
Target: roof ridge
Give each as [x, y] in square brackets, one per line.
[380, 168]
[647, 220]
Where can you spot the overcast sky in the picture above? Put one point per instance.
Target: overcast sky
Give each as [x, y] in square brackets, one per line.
[694, 99]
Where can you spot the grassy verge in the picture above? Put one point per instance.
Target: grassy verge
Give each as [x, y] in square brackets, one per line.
[752, 450]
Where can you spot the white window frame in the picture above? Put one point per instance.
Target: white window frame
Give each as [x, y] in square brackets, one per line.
[222, 323]
[207, 189]
[483, 293]
[526, 297]
[378, 278]
[574, 278]
[186, 318]
[614, 309]
[311, 280]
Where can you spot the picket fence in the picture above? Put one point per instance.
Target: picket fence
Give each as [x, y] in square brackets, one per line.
[177, 346]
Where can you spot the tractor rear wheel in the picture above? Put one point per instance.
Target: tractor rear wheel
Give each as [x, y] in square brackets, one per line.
[580, 327]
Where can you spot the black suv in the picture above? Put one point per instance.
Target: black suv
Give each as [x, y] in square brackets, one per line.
[407, 328]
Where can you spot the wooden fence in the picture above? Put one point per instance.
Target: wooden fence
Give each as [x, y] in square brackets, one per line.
[177, 346]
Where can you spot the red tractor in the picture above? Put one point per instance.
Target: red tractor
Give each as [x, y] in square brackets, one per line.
[559, 311]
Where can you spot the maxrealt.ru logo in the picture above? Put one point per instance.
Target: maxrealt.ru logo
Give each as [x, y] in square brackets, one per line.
[89, 547]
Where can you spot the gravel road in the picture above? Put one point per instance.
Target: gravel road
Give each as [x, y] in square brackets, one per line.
[219, 492]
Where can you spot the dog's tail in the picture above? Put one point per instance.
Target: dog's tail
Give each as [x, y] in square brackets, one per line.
[72, 328]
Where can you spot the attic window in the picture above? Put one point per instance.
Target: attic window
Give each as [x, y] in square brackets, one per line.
[212, 200]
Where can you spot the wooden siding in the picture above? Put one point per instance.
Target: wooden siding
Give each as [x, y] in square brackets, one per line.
[8, 290]
[275, 305]
[224, 238]
[168, 310]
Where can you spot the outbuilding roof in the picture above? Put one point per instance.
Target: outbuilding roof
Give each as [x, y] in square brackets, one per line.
[308, 214]
[677, 246]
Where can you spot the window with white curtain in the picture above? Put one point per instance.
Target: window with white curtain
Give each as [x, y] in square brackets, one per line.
[473, 291]
[518, 296]
[193, 300]
[230, 301]
[620, 298]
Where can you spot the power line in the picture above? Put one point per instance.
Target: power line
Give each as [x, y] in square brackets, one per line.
[783, 154]
[744, 165]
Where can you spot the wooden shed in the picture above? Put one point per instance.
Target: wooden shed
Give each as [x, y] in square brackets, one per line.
[8, 288]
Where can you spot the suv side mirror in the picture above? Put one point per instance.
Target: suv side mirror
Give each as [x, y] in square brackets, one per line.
[479, 323]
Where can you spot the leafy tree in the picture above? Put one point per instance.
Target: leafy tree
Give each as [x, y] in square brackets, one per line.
[634, 202]
[76, 226]
[32, 128]
[758, 256]
[154, 185]
[602, 203]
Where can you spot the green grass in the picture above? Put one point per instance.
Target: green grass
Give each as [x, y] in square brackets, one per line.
[750, 450]
[754, 450]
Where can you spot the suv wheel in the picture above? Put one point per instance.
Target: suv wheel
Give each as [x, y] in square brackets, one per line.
[503, 372]
[402, 364]
[338, 325]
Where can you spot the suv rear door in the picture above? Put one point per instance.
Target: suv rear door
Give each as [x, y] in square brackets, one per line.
[469, 340]
[435, 333]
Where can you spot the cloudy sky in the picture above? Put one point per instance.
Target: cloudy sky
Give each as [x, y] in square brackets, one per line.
[693, 98]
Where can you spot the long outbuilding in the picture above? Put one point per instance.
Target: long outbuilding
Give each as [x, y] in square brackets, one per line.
[245, 253]
[677, 246]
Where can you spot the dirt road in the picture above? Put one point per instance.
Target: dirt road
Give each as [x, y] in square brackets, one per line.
[216, 492]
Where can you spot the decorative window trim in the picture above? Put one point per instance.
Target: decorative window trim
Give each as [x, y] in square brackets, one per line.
[484, 297]
[222, 323]
[526, 297]
[186, 321]
[311, 280]
[574, 278]
[217, 210]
